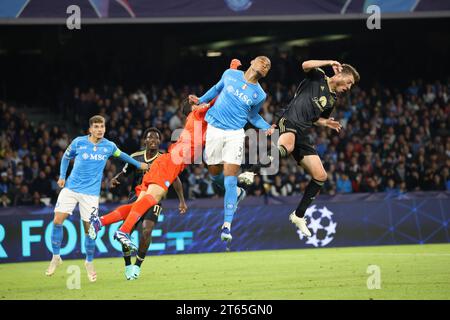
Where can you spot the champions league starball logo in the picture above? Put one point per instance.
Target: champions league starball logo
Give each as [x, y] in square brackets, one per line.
[321, 225]
[238, 5]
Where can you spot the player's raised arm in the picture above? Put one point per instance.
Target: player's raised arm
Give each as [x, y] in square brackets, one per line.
[125, 157]
[234, 64]
[210, 94]
[255, 118]
[126, 170]
[312, 64]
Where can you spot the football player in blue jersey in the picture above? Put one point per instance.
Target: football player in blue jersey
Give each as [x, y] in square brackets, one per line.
[240, 98]
[82, 187]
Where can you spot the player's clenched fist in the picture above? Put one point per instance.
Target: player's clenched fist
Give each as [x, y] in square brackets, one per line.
[144, 166]
[193, 99]
[271, 130]
[114, 183]
[61, 183]
[337, 67]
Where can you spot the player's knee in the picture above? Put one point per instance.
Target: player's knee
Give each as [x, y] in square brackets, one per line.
[320, 176]
[58, 219]
[215, 169]
[287, 140]
[288, 145]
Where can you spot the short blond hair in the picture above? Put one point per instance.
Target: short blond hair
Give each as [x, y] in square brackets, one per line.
[264, 58]
[96, 119]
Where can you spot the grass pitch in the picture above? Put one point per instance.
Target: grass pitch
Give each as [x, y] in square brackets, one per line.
[407, 272]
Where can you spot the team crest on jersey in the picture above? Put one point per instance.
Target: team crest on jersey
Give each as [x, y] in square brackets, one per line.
[105, 150]
[230, 89]
[323, 101]
[255, 95]
[85, 156]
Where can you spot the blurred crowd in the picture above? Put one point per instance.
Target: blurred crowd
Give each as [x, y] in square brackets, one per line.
[394, 140]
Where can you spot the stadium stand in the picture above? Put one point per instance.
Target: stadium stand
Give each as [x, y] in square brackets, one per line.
[395, 140]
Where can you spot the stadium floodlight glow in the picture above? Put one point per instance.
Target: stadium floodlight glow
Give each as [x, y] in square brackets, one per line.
[213, 54]
[307, 41]
[219, 45]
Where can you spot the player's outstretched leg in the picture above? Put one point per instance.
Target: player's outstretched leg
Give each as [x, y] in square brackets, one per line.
[118, 214]
[244, 178]
[124, 239]
[230, 203]
[313, 165]
[57, 236]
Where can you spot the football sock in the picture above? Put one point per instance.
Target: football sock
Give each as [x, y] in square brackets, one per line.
[118, 214]
[230, 198]
[137, 211]
[310, 194]
[57, 235]
[140, 258]
[89, 245]
[126, 256]
[283, 151]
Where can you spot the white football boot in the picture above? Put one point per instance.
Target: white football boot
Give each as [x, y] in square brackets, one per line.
[246, 177]
[55, 263]
[300, 223]
[92, 275]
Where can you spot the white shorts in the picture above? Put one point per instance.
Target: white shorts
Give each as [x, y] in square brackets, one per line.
[68, 199]
[224, 146]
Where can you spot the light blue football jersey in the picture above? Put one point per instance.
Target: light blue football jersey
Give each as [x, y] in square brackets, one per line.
[238, 102]
[90, 161]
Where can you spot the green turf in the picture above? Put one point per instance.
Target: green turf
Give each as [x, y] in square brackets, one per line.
[407, 272]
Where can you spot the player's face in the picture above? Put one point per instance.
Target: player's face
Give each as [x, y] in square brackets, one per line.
[97, 130]
[344, 82]
[261, 66]
[152, 140]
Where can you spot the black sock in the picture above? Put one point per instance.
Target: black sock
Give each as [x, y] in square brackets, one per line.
[126, 256]
[283, 151]
[140, 258]
[310, 194]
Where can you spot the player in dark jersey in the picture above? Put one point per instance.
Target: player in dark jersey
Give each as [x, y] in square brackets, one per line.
[150, 218]
[311, 105]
